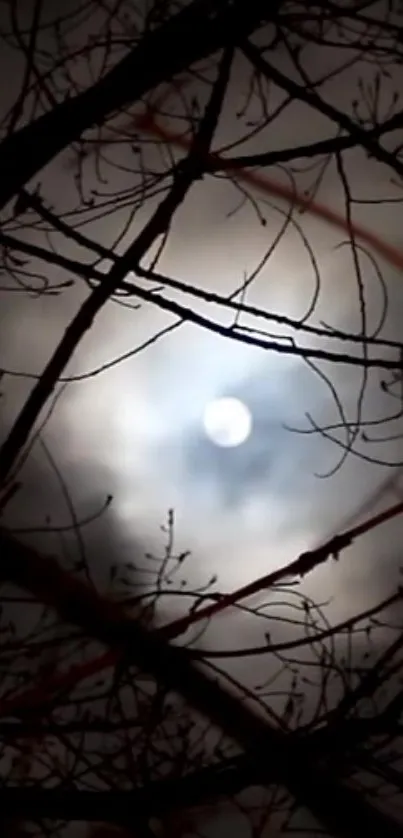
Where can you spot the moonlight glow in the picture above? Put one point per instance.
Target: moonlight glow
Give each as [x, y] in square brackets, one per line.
[227, 422]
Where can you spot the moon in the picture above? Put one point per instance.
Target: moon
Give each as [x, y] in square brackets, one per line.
[227, 422]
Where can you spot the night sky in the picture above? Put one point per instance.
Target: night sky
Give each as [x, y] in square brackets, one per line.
[135, 430]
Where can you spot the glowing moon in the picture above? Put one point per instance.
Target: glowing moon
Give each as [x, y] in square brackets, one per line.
[227, 422]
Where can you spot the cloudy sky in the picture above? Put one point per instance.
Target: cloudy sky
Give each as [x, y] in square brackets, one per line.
[136, 431]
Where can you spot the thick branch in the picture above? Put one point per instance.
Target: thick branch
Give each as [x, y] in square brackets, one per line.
[156, 799]
[194, 33]
[118, 806]
[342, 811]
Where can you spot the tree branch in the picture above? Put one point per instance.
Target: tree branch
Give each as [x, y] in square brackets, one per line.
[185, 174]
[338, 808]
[197, 31]
[310, 97]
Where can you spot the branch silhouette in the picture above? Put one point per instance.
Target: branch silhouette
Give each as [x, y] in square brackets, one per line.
[40, 696]
[333, 804]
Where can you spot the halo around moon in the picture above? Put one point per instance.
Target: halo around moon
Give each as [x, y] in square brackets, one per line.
[227, 422]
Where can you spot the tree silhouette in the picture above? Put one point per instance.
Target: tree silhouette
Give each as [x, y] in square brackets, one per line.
[107, 716]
